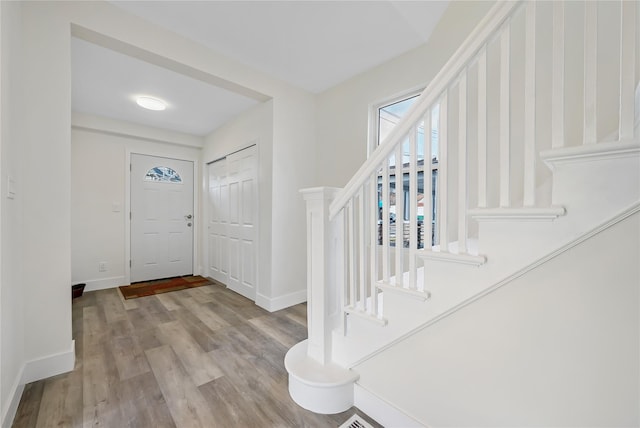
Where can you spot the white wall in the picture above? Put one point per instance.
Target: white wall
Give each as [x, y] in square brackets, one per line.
[559, 346]
[11, 284]
[283, 132]
[99, 164]
[294, 141]
[46, 192]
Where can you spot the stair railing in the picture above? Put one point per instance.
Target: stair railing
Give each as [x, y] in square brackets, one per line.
[366, 200]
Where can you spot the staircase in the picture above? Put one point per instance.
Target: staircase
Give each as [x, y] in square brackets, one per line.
[520, 149]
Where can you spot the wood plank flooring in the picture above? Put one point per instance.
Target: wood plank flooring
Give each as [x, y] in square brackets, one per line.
[201, 357]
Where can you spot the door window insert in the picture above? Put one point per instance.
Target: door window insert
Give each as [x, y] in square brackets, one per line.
[163, 174]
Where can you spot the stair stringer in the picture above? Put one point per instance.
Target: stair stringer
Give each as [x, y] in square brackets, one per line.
[613, 185]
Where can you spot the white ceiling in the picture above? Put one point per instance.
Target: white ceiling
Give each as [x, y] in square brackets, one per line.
[105, 83]
[310, 44]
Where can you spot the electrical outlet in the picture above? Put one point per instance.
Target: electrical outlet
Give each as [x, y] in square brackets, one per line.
[102, 267]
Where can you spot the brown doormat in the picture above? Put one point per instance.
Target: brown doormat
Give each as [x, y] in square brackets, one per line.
[149, 288]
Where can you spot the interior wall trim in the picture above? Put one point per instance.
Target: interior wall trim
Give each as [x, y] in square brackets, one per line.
[51, 365]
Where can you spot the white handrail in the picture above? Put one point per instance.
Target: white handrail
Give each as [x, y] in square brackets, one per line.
[465, 54]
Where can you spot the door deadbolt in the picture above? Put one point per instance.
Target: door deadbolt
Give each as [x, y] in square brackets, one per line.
[188, 216]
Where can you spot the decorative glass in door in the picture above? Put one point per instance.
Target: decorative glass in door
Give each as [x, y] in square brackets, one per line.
[163, 174]
[399, 228]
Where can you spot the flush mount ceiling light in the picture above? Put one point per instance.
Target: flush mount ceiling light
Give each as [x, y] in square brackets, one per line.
[151, 103]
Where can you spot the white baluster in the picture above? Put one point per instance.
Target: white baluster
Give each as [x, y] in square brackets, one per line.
[627, 68]
[443, 170]
[482, 129]
[399, 217]
[413, 207]
[385, 222]
[557, 80]
[462, 164]
[362, 283]
[590, 72]
[373, 236]
[529, 199]
[351, 258]
[505, 117]
[427, 182]
[342, 263]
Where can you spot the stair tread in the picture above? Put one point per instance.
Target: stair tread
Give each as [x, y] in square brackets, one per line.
[601, 150]
[400, 289]
[517, 213]
[446, 256]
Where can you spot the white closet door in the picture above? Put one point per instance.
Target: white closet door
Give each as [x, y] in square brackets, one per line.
[233, 213]
[218, 221]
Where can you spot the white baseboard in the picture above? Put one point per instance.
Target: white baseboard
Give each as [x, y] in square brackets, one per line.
[51, 365]
[34, 370]
[382, 411]
[15, 395]
[103, 283]
[281, 302]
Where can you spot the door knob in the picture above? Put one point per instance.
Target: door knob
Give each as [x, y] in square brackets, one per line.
[188, 224]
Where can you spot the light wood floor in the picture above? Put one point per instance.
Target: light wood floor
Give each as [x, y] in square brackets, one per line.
[202, 357]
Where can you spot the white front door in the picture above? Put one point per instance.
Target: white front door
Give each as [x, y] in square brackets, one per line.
[233, 213]
[161, 217]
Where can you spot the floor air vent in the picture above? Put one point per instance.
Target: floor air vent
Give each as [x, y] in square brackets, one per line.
[356, 421]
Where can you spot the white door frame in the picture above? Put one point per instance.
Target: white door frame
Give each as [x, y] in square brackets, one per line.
[205, 213]
[197, 223]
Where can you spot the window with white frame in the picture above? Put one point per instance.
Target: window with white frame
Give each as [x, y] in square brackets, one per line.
[387, 117]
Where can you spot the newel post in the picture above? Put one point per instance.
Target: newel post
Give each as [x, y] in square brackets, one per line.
[321, 293]
[315, 381]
